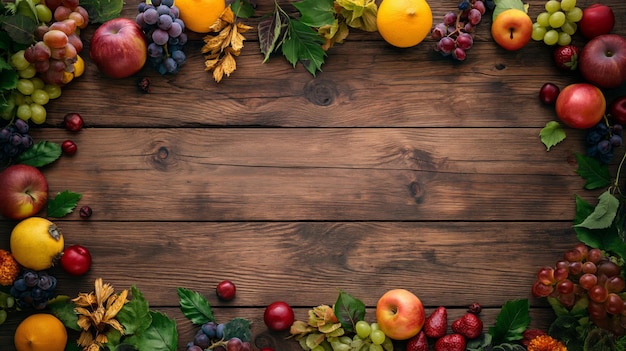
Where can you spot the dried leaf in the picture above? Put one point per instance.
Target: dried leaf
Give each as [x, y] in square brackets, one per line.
[228, 64]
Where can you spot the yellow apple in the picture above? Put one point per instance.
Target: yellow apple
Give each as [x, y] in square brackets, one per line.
[400, 314]
[512, 29]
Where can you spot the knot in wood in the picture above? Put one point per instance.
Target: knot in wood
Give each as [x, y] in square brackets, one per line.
[321, 92]
[162, 158]
[265, 340]
[417, 191]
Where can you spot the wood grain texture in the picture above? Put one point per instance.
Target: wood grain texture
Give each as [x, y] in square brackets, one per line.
[390, 168]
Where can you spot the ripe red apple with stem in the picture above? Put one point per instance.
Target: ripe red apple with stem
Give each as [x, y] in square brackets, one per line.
[597, 19]
[119, 48]
[23, 191]
[580, 105]
[400, 314]
[602, 61]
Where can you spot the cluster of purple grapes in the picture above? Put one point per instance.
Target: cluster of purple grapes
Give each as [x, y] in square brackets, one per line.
[33, 289]
[602, 140]
[14, 139]
[455, 34]
[210, 334]
[165, 33]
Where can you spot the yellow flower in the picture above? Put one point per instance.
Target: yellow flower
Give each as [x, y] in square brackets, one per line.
[9, 268]
[546, 343]
[96, 314]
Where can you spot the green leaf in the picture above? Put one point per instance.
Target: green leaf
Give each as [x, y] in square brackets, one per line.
[595, 173]
[607, 239]
[503, 5]
[348, 311]
[135, 315]
[101, 11]
[160, 336]
[63, 204]
[195, 306]
[552, 134]
[62, 307]
[316, 13]
[26, 8]
[238, 328]
[19, 27]
[603, 214]
[40, 154]
[512, 321]
[303, 45]
[272, 32]
[242, 8]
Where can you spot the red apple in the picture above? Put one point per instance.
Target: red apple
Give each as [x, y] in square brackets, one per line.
[597, 19]
[278, 316]
[617, 109]
[23, 191]
[119, 48]
[400, 314]
[602, 61]
[512, 29]
[76, 260]
[580, 105]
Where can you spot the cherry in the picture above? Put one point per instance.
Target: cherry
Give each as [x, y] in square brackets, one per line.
[548, 93]
[278, 316]
[69, 147]
[225, 290]
[85, 212]
[76, 260]
[73, 122]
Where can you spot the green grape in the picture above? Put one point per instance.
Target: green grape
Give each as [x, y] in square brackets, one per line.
[18, 61]
[23, 112]
[553, 6]
[345, 340]
[551, 37]
[363, 329]
[43, 13]
[538, 32]
[40, 97]
[374, 347]
[18, 98]
[575, 14]
[28, 72]
[567, 5]
[318, 348]
[374, 326]
[54, 91]
[543, 19]
[377, 336]
[557, 19]
[25, 86]
[38, 82]
[38, 113]
[564, 39]
[3, 316]
[387, 344]
[569, 27]
[338, 346]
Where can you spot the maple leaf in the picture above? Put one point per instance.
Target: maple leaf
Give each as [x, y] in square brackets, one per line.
[221, 49]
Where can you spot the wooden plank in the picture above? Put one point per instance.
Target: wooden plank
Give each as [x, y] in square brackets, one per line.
[445, 263]
[311, 174]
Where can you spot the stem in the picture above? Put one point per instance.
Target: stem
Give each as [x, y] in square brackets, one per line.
[619, 171]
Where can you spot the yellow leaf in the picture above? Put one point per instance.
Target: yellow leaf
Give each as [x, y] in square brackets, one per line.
[210, 64]
[236, 40]
[242, 28]
[218, 73]
[229, 64]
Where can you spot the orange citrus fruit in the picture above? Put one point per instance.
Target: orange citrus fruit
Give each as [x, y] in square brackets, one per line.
[404, 23]
[199, 15]
[36, 243]
[40, 332]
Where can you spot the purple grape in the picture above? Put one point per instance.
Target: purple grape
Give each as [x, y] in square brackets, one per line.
[464, 41]
[163, 10]
[604, 146]
[439, 31]
[174, 30]
[480, 6]
[447, 45]
[21, 126]
[150, 15]
[459, 54]
[474, 16]
[449, 19]
[202, 340]
[160, 37]
[155, 50]
[170, 65]
[165, 22]
[179, 57]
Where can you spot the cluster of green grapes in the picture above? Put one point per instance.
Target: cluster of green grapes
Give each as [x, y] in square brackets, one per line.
[557, 24]
[368, 337]
[6, 302]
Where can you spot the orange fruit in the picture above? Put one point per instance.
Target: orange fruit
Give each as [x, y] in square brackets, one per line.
[40, 332]
[404, 23]
[199, 15]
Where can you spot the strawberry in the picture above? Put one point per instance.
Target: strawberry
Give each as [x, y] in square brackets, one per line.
[436, 325]
[468, 325]
[566, 57]
[451, 342]
[418, 343]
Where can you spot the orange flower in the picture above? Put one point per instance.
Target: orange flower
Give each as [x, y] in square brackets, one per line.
[9, 268]
[546, 343]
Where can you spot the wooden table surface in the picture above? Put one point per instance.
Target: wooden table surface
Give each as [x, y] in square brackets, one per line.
[392, 168]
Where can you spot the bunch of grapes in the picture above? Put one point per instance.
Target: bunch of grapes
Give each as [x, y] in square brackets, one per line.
[455, 34]
[165, 34]
[587, 272]
[602, 140]
[14, 140]
[557, 24]
[33, 289]
[211, 335]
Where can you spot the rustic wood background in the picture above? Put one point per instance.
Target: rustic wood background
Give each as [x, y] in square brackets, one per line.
[391, 168]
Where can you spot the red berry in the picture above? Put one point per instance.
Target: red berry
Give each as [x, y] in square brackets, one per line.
[278, 316]
[451, 342]
[69, 147]
[225, 290]
[418, 342]
[436, 325]
[548, 93]
[85, 212]
[73, 122]
[468, 325]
